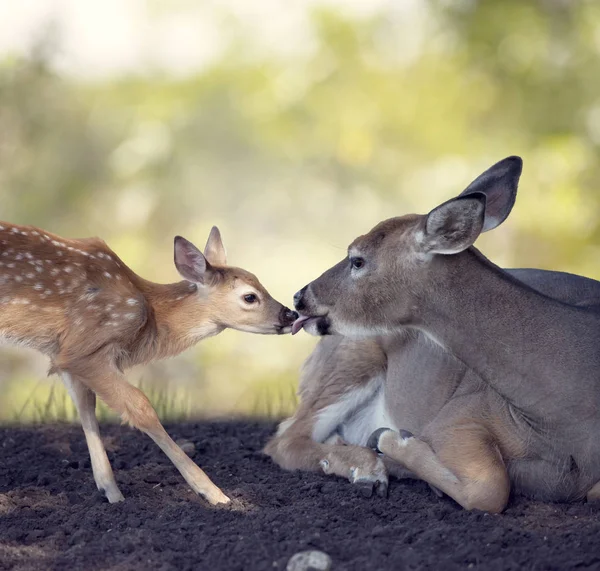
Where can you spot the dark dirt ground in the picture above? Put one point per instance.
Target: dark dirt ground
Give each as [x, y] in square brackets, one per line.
[52, 517]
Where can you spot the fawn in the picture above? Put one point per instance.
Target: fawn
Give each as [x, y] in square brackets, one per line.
[78, 303]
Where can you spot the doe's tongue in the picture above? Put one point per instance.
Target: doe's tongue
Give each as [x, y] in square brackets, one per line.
[298, 324]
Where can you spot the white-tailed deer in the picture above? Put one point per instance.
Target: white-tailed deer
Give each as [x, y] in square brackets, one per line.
[78, 303]
[498, 380]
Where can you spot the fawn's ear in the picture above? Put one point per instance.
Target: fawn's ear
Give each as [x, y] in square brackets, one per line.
[214, 251]
[189, 261]
[499, 184]
[455, 225]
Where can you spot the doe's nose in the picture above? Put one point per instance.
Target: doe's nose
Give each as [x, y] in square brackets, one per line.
[298, 299]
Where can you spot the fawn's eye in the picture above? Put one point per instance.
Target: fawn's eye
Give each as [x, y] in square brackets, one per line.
[250, 298]
[357, 263]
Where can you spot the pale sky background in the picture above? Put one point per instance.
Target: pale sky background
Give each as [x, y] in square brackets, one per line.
[100, 38]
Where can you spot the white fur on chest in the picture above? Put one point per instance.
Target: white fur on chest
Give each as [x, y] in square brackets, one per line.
[355, 414]
[373, 415]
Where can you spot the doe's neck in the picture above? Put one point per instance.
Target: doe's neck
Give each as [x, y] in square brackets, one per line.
[486, 317]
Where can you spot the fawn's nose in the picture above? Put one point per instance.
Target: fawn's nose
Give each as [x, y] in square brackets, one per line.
[288, 316]
[298, 299]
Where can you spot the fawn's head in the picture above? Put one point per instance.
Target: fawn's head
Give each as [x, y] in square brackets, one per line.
[235, 298]
[388, 271]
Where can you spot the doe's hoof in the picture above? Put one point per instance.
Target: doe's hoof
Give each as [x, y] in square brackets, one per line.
[373, 441]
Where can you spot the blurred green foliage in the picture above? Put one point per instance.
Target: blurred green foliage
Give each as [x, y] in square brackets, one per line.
[294, 155]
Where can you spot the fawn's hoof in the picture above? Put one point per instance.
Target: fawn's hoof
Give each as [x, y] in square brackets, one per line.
[112, 494]
[217, 497]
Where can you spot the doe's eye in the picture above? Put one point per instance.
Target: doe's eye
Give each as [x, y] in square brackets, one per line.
[250, 298]
[357, 263]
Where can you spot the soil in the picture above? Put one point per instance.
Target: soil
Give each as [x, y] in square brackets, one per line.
[52, 517]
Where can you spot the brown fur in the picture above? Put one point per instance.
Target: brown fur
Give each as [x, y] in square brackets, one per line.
[78, 303]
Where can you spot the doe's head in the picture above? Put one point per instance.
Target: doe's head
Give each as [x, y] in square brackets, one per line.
[390, 271]
[235, 298]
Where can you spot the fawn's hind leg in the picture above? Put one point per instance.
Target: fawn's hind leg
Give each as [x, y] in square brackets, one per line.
[85, 401]
[135, 408]
[471, 471]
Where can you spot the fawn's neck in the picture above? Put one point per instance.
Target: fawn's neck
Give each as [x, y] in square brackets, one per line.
[179, 318]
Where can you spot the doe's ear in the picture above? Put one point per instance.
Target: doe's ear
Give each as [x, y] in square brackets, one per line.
[455, 225]
[189, 261]
[214, 251]
[499, 184]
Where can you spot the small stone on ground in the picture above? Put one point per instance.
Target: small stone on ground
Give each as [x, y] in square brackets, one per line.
[309, 561]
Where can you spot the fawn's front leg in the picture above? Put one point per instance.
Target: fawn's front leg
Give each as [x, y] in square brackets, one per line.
[135, 408]
[85, 401]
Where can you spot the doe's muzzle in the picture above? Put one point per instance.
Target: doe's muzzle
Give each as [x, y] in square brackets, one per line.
[299, 299]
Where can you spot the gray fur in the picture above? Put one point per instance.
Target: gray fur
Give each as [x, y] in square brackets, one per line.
[496, 372]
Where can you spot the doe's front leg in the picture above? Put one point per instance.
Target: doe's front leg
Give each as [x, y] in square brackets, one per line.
[471, 471]
[359, 465]
[293, 448]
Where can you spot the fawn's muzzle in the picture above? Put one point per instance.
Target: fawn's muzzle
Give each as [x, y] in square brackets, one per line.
[287, 316]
